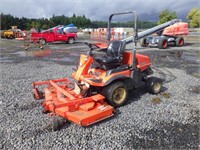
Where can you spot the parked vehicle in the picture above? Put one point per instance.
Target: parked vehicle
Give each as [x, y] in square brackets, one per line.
[171, 34]
[53, 35]
[12, 33]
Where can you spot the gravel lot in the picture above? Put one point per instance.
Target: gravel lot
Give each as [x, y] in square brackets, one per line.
[169, 120]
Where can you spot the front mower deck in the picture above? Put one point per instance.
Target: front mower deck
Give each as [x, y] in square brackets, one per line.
[64, 102]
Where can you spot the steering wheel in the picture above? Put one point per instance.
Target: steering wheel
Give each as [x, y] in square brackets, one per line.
[92, 47]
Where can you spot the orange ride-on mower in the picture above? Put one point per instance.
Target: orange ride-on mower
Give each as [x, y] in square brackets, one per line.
[102, 83]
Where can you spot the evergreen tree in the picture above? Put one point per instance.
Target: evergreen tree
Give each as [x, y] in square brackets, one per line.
[166, 16]
[194, 17]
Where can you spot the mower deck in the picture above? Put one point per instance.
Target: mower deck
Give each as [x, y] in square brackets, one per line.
[64, 102]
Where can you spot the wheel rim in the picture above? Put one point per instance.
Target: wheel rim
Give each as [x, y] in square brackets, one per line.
[42, 41]
[181, 42]
[145, 43]
[71, 40]
[119, 95]
[164, 44]
[157, 87]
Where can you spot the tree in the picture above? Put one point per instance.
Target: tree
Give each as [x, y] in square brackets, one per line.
[194, 17]
[165, 16]
[33, 24]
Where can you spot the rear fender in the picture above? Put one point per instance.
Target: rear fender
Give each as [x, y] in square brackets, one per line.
[117, 77]
[134, 82]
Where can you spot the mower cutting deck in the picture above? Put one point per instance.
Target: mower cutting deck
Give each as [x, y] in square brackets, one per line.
[63, 101]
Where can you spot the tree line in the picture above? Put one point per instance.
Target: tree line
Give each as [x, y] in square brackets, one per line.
[7, 20]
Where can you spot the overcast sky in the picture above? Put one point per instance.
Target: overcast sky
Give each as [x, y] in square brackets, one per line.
[95, 9]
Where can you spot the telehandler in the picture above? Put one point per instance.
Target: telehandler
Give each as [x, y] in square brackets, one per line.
[164, 34]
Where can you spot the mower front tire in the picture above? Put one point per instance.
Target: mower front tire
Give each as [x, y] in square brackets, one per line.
[153, 85]
[116, 93]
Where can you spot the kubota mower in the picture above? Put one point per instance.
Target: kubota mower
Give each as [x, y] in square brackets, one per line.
[102, 83]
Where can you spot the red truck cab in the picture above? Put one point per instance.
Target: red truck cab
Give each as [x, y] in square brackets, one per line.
[53, 35]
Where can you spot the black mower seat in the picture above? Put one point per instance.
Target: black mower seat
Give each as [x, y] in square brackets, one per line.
[114, 55]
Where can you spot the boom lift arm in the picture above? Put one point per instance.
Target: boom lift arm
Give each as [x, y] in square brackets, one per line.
[151, 31]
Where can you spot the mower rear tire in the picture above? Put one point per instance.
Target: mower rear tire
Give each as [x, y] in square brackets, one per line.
[179, 41]
[153, 85]
[143, 42]
[116, 93]
[162, 43]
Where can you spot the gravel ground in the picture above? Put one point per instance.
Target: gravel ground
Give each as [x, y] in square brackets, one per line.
[169, 120]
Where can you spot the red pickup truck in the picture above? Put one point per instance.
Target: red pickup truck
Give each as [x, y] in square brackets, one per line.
[53, 35]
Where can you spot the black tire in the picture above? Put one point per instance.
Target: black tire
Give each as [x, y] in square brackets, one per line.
[8, 36]
[40, 95]
[71, 40]
[162, 43]
[179, 41]
[45, 111]
[11, 37]
[55, 123]
[153, 85]
[143, 42]
[116, 93]
[42, 41]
